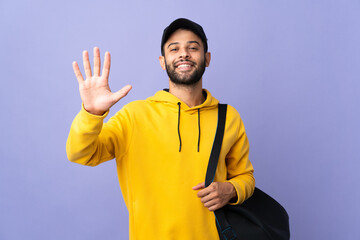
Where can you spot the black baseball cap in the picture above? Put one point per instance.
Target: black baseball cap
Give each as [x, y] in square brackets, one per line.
[183, 23]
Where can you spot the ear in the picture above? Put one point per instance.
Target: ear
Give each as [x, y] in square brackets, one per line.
[162, 62]
[207, 58]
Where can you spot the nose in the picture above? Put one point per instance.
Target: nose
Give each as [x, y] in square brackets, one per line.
[184, 53]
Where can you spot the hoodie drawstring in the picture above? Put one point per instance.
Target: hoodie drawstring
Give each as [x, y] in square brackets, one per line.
[178, 128]
[199, 130]
[179, 103]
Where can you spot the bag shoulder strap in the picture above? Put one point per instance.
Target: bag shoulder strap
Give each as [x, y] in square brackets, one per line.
[221, 221]
[216, 148]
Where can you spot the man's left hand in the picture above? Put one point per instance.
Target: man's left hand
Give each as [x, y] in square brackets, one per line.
[216, 195]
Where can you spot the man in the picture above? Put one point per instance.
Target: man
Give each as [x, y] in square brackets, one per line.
[162, 144]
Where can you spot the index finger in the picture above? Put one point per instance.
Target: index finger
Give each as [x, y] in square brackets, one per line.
[77, 72]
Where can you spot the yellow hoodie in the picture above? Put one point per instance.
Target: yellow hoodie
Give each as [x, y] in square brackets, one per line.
[162, 149]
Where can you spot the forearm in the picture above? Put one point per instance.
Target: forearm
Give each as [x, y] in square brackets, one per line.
[83, 144]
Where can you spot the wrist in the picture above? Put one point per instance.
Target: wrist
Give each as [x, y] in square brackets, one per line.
[94, 112]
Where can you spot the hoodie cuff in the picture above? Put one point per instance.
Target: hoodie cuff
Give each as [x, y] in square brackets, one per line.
[239, 196]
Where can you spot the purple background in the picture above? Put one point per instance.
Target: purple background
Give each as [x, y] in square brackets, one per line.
[291, 68]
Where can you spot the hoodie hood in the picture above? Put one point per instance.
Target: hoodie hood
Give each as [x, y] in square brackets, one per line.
[169, 99]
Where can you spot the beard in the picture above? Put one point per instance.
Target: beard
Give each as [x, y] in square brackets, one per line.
[185, 78]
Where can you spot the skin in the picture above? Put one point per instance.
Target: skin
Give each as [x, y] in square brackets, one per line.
[183, 46]
[94, 91]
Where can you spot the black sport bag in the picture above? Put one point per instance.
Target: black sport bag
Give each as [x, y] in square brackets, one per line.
[259, 218]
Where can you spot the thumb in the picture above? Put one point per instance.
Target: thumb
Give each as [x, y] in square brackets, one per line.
[199, 186]
[121, 93]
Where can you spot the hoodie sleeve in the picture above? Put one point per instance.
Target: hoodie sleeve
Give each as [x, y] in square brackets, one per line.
[239, 168]
[90, 142]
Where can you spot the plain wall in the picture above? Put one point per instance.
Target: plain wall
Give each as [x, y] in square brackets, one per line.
[291, 68]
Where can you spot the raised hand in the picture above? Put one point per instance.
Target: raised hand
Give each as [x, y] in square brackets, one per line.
[95, 92]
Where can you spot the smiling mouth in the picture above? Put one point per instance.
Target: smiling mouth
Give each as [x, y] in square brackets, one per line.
[184, 66]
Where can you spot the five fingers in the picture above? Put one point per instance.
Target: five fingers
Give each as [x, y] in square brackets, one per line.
[105, 72]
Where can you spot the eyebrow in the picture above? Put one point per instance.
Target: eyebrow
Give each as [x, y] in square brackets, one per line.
[174, 43]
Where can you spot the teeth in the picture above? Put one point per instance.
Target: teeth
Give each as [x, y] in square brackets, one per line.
[183, 65]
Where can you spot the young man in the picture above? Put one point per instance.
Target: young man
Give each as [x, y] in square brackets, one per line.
[162, 144]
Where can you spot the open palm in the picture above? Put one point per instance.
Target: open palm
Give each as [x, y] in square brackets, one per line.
[95, 92]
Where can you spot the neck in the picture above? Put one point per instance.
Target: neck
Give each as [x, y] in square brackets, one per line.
[190, 95]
